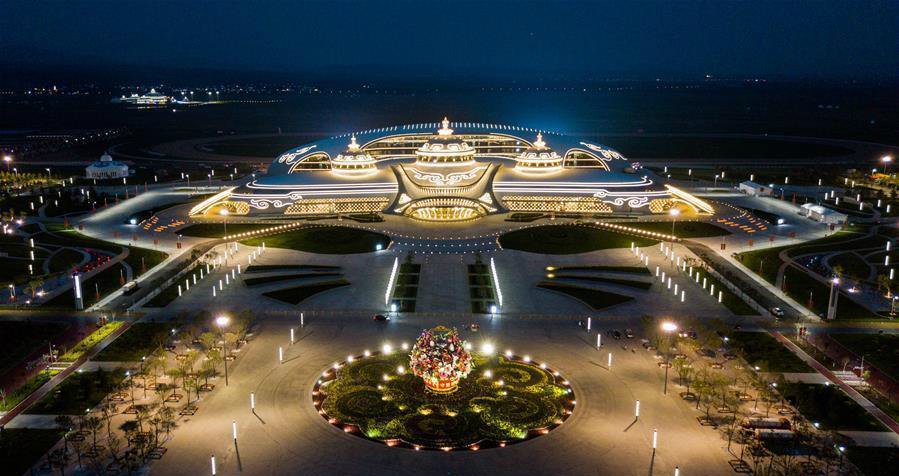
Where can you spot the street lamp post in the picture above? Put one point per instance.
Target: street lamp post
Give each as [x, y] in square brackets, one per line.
[668, 328]
[224, 213]
[674, 212]
[222, 321]
[886, 163]
[8, 161]
[832, 300]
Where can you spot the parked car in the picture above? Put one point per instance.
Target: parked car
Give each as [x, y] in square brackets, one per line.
[380, 318]
[708, 353]
[616, 335]
[777, 312]
[629, 333]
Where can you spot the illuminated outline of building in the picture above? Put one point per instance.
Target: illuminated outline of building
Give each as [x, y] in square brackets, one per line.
[461, 171]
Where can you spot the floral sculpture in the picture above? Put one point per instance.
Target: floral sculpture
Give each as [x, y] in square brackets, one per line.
[440, 359]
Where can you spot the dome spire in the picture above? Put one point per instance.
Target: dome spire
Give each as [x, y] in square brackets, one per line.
[539, 142]
[445, 130]
[353, 146]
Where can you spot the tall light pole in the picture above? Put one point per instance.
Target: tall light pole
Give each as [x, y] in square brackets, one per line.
[49, 177]
[885, 159]
[832, 300]
[223, 321]
[668, 328]
[674, 212]
[8, 160]
[224, 213]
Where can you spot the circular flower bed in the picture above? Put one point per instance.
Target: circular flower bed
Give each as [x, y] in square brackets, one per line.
[503, 400]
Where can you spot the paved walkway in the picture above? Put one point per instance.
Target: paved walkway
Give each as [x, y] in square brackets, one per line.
[859, 398]
[58, 378]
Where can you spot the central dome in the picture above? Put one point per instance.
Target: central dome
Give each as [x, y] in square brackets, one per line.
[445, 149]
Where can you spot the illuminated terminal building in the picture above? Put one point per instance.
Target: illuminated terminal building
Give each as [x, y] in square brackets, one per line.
[152, 98]
[451, 172]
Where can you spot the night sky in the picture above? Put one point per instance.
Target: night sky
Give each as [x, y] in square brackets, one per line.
[638, 39]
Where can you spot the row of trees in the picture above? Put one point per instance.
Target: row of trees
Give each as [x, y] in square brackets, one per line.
[182, 361]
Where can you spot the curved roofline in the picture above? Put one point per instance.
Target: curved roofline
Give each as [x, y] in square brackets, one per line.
[335, 145]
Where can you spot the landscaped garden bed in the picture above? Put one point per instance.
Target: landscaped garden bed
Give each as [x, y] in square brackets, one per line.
[140, 340]
[286, 277]
[682, 229]
[760, 349]
[503, 400]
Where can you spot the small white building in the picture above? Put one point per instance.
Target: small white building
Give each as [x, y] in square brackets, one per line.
[755, 189]
[822, 214]
[106, 168]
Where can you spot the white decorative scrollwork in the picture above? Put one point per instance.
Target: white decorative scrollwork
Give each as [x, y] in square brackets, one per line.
[291, 157]
[606, 153]
[443, 180]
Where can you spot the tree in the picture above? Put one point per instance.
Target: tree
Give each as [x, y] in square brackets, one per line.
[94, 424]
[65, 422]
[683, 368]
[208, 340]
[34, 284]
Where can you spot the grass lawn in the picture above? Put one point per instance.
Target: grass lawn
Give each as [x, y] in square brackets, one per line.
[853, 265]
[142, 258]
[594, 298]
[217, 230]
[799, 286]
[90, 341]
[874, 461]
[21, 448]
[600, 279]
[763, 350]
[616, 269]
[264, 268]
[882, 350]
[298, 294]
[64, 260]
[16, 270]
[764, 262]
[81, 390]
[682, 229]
[568, 239]
[285, 277]
[18, 339]
[829, 406]
[325, 239]
[730, 300]
[165, 297]
[106, 281]
[139, 340]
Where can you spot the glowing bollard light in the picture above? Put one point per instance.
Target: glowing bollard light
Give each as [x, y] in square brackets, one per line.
[657, 271]
[227, 279]
[213, 290]
[232, 273]
[669, 283]
[676, 471]
[212, 461]
[280, 355]
[655, 439]
[221, 285]
[302, 321]
[720, 296]
[598, 340]
[195, 278]
[201, 273]
[179, 290]
[647, 261]
[712, 290]
[892, 270]
[886, 260]
[234, 429]
[589, 323]
[681, 296]
[291, 336]
[238, 268]
[610, 361]
[663, 276]
[675, 289]
[697, 277]
[637, 410]
[703, 283]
